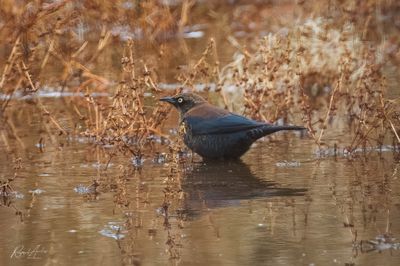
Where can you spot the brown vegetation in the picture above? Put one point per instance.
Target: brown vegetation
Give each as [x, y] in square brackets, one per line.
[328, 72]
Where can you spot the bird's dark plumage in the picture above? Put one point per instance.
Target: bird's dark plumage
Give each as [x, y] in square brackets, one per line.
[215, 133]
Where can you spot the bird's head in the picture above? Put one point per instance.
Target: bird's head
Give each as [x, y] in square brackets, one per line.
[184, 101]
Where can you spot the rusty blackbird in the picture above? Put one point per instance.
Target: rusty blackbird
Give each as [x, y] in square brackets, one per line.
[215, 133]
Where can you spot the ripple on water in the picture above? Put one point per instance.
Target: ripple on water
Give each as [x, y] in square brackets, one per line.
[113, 230]
[82, 189]
[12, 194]
[37, 191]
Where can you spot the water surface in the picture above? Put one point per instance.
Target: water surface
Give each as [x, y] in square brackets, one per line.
[280, 205]
[284, 203]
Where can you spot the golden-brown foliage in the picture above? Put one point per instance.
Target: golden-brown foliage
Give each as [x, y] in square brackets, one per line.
[321, 71]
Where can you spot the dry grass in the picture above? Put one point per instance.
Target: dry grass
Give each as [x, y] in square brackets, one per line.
[326, 69]
[327, 72]
[323, 74]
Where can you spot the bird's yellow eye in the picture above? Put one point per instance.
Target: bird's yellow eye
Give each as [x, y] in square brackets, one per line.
[180, 100]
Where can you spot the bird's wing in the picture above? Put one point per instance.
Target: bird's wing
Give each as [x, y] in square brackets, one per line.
[214, 120]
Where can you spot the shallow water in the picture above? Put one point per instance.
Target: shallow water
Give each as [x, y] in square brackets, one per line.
[282, 204]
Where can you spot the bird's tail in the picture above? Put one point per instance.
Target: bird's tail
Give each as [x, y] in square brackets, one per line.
[269, 129]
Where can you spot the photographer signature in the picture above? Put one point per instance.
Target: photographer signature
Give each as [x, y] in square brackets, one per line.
[28, 253]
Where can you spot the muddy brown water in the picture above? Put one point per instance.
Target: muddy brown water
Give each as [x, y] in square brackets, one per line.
[282, 204]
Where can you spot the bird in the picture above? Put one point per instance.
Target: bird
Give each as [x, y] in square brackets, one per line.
[215, 133]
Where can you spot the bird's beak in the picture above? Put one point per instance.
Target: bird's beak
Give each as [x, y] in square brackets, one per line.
[170, 100]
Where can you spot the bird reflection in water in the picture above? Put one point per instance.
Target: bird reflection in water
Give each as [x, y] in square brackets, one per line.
[216, 184]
